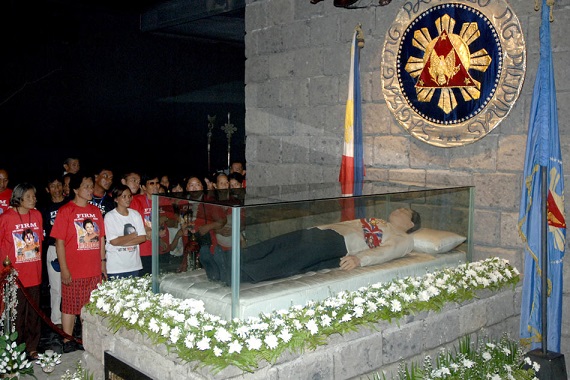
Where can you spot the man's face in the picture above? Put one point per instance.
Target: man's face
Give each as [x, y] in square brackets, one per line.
[66, 188]
[55, 189]
[133, 181]
[194, 184]
[222, 182]
[72, 166]
[3, 180]
[104, 179]
[401, 218]
[236, 167]
[151, 186]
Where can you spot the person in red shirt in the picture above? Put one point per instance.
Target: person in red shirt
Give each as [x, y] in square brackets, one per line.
[81, 257]
[143, 204]
[21, 235]
[5, 192]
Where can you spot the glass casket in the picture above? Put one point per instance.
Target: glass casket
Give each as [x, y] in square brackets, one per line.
[223, 229]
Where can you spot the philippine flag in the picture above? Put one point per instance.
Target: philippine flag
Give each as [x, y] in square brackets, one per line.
[352, 165]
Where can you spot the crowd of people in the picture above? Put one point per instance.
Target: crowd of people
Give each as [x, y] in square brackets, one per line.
[92, 228]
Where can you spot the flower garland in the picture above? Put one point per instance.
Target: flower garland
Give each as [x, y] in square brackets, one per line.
[185, 328]
[9, 300]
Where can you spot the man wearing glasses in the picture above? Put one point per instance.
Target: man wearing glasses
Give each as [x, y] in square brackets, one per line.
[143, 204]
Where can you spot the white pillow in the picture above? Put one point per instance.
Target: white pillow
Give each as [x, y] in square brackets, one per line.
[436, 241]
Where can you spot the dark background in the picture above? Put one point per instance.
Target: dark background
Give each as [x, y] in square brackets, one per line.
[81, 79]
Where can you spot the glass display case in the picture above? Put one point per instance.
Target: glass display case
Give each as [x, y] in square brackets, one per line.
[248, 251]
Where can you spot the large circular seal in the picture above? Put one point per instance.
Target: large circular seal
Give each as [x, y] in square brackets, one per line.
[451, 71]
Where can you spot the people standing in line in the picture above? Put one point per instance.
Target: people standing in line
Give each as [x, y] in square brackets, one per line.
[54, 187]
[143, 204]
[5, 191]
[21, 236]
[71, 165]
[125, 232]
[102, 182]
[133, 181]
[82, 261]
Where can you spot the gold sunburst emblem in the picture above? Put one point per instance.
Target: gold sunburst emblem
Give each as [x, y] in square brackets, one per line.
[451, 72]
[446, 63]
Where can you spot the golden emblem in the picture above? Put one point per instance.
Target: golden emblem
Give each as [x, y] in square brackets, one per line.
[449, 73]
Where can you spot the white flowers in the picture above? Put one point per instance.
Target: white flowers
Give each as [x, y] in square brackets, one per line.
[203, 344]
[235, 346]
[271, 341]
[222, 335]
[395, 306]
[188, 329]
[175, 334]
[285, 335]
[253, 343]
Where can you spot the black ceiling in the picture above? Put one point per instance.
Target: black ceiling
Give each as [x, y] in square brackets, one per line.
[214, 20]
[209, 20]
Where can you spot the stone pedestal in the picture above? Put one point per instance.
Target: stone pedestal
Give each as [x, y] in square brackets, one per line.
[363, 352]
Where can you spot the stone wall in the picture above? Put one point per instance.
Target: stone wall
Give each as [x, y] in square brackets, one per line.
[354, 355]
[296, 86]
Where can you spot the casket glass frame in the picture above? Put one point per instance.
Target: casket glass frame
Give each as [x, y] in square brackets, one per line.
[257, 214]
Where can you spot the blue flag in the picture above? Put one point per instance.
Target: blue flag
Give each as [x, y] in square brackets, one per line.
[542, 150]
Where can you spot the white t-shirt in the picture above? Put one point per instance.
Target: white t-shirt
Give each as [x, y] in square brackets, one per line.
[122, 259]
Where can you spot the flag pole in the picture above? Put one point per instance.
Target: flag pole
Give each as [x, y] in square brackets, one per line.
[544, 259]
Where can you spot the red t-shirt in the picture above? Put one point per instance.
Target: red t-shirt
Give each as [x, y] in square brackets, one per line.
[5, 200]
[82, 230]
[21, 237]
[143, 205]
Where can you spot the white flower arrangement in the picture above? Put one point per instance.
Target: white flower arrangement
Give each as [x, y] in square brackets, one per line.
[186, 329]
[13, 356]
[80, 373]
[48, 360]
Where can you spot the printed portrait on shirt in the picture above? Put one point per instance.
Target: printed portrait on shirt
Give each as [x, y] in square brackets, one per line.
[27, 245]
[129, 229]
[87, 234]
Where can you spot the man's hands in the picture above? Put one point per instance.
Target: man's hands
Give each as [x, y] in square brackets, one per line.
[349, 262]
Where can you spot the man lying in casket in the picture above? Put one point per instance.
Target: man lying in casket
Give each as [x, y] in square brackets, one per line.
[350, 244]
